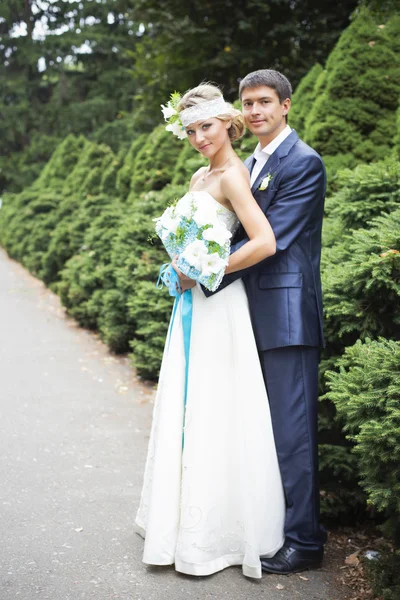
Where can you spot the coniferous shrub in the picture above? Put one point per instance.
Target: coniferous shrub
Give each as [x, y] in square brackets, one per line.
[352, 118]
[88, 188]
[151, 309]
[86, 177]
[72, 218]
[27, 220]
[125, 173]
[365, 193]
[362, 295]
[188, 162]
[62, 162]
[155, 161]
[246, 145]
[384, 574]
[303, 99]
[366, 393]
[397, 137]
[89, 273]
[117, 134]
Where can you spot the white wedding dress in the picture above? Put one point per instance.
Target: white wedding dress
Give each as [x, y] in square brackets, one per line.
[213, 497]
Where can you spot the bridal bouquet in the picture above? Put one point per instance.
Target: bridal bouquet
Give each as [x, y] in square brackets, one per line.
[193, 230]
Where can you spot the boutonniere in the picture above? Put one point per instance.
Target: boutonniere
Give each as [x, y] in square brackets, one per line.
[264, 183]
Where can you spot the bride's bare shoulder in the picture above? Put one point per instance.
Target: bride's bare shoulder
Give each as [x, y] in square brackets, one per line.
[237, 171]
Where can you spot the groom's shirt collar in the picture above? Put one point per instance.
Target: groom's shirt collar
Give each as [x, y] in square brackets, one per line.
[272, 146]
[262, 155]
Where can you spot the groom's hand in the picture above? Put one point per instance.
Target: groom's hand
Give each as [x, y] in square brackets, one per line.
[185, 282]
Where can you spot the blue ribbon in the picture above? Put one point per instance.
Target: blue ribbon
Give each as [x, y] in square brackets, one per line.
[168, 277]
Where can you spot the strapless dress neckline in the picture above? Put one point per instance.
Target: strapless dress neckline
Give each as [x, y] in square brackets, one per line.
[212, 197]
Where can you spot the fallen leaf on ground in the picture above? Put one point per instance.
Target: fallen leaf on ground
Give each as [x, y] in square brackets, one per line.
[352, 560]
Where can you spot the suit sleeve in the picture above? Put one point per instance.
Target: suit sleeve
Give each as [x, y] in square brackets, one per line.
[299, 195]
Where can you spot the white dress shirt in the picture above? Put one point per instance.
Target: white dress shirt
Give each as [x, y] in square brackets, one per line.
[262, 155]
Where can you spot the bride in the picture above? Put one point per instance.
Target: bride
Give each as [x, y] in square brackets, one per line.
[212, 495]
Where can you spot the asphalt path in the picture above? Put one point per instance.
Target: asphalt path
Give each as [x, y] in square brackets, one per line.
[74, 428]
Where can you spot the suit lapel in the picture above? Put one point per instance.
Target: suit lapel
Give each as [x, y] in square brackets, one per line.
[273, 161]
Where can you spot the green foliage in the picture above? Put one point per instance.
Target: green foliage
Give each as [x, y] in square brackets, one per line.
[397, 137]
[341, 498]
[51, 88]
[71, 220]
[384, 574]
[351, 120]
[365, 193]
[89, 273]
[366, 393]
[224, 41]
[126, 172]
[151, 310]
[303, 99]
[362, 293]
[86, 177]
[189, 161]
[61, 163]
[26, 223]
[155, 161]
[117, 134]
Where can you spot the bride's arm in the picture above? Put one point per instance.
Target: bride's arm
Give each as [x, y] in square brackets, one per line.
[236, 188]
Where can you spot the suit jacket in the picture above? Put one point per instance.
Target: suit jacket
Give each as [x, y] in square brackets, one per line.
[284, 290]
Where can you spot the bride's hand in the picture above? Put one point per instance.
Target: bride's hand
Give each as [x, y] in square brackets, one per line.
[185, 282]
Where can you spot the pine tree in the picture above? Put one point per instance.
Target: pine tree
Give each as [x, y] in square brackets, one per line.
[303, 98]
[353, 116]
[366, 393]
[72, 81]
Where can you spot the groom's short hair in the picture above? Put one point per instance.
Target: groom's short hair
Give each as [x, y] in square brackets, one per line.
[270, 78]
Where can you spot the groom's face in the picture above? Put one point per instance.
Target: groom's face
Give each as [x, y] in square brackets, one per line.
[263, 112]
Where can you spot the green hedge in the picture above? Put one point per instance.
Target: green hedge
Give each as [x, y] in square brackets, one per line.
[352, 118]
[89, 273]
[366, 393]
[304, 97]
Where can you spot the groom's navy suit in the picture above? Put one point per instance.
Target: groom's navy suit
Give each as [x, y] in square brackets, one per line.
[285, 301]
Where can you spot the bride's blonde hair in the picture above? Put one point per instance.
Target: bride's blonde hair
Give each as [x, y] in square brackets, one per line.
[206, 92]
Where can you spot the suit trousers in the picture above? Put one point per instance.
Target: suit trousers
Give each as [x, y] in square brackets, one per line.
[291, 378]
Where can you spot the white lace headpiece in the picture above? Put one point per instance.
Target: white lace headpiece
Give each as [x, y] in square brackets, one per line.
[203, 111]
[177, 121]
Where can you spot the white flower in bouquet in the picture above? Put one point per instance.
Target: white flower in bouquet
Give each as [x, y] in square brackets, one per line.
[169, 220]
[212, 264]
[195, 253]
[217, 234]
[206, 214]
[164, 233]
[185, 207]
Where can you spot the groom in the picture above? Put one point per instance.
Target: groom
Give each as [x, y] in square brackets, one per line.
[288, 181]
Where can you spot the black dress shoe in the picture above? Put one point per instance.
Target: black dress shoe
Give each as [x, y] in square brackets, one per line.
[289, 560]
